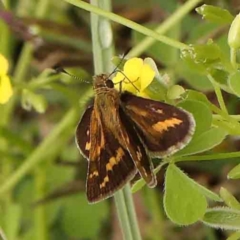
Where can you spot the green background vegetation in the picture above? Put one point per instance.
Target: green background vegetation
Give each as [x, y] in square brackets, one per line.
[42, 175]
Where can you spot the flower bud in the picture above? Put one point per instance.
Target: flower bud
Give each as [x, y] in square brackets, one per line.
[234, 33]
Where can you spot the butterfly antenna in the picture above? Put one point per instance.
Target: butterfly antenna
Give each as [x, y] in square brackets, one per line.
[125, 77]
[116, 70]
[61, 70]
[122, 58]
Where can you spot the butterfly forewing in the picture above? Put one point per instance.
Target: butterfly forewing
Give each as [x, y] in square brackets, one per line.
[110, 164]
[83, 132]
[163, 128]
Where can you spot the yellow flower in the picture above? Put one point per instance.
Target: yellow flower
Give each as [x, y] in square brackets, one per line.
[135, 77]
[5, 84]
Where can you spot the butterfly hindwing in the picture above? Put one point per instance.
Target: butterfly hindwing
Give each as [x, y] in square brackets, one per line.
[137, 150]
[164, 129]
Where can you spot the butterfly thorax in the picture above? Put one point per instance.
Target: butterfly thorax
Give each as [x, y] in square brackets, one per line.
[107, 101]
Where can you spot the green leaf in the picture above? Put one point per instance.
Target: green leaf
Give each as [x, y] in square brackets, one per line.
[31, 99]
[138, 185]
[157, 90]
[184, 204]
[193, 75]
[175, 92]
[188, 56]
[153, 65]
[163, 53]
[234, 173]
[224, 218]
[234, 33]
[16, 141]
[215, 14]
[207, 193]
[202, 57]
[24, 196]
[201, 31]
[234, 236]
[12, 220]
[205, 53]
[234, 83]
[229, 199]
[168, 6]
[220, 76]
[158, 87]
[201, 112]
[204, 141]
[82, 220]
[118, 62]
[198, 96]
[28, 235]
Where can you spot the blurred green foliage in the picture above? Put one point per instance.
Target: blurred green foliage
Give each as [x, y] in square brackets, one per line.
[42, 175]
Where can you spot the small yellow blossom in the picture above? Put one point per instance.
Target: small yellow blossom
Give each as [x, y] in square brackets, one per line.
[5, 84]
[136, 76]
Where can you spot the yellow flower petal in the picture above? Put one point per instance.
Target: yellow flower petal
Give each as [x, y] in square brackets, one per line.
[119, 77]
[126, 85]
[5, 89]
[136, 75]
[132, 68]
[130, 87]
[3, 65]
[146, 77]
[143, 94]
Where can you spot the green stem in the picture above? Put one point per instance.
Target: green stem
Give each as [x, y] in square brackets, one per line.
[164, 27]
[41, 82]
[219, 117]
[23, 63]
[128, 23]
[40, 211]
[5, 40]
[38, 155]
[218, 92]
[228, 122]
[7, 201]
[217, 156]
[228, 126]
[123, 215]
[71, 41]
[6, 4]
[224, 115]
[2, 235]
[96, 46]
[156, 228]
[102, 53]
[131, 212]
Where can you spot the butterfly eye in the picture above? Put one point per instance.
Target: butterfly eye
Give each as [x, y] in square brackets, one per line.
[109, 83]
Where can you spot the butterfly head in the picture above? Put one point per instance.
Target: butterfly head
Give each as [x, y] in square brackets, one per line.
[102, 81]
